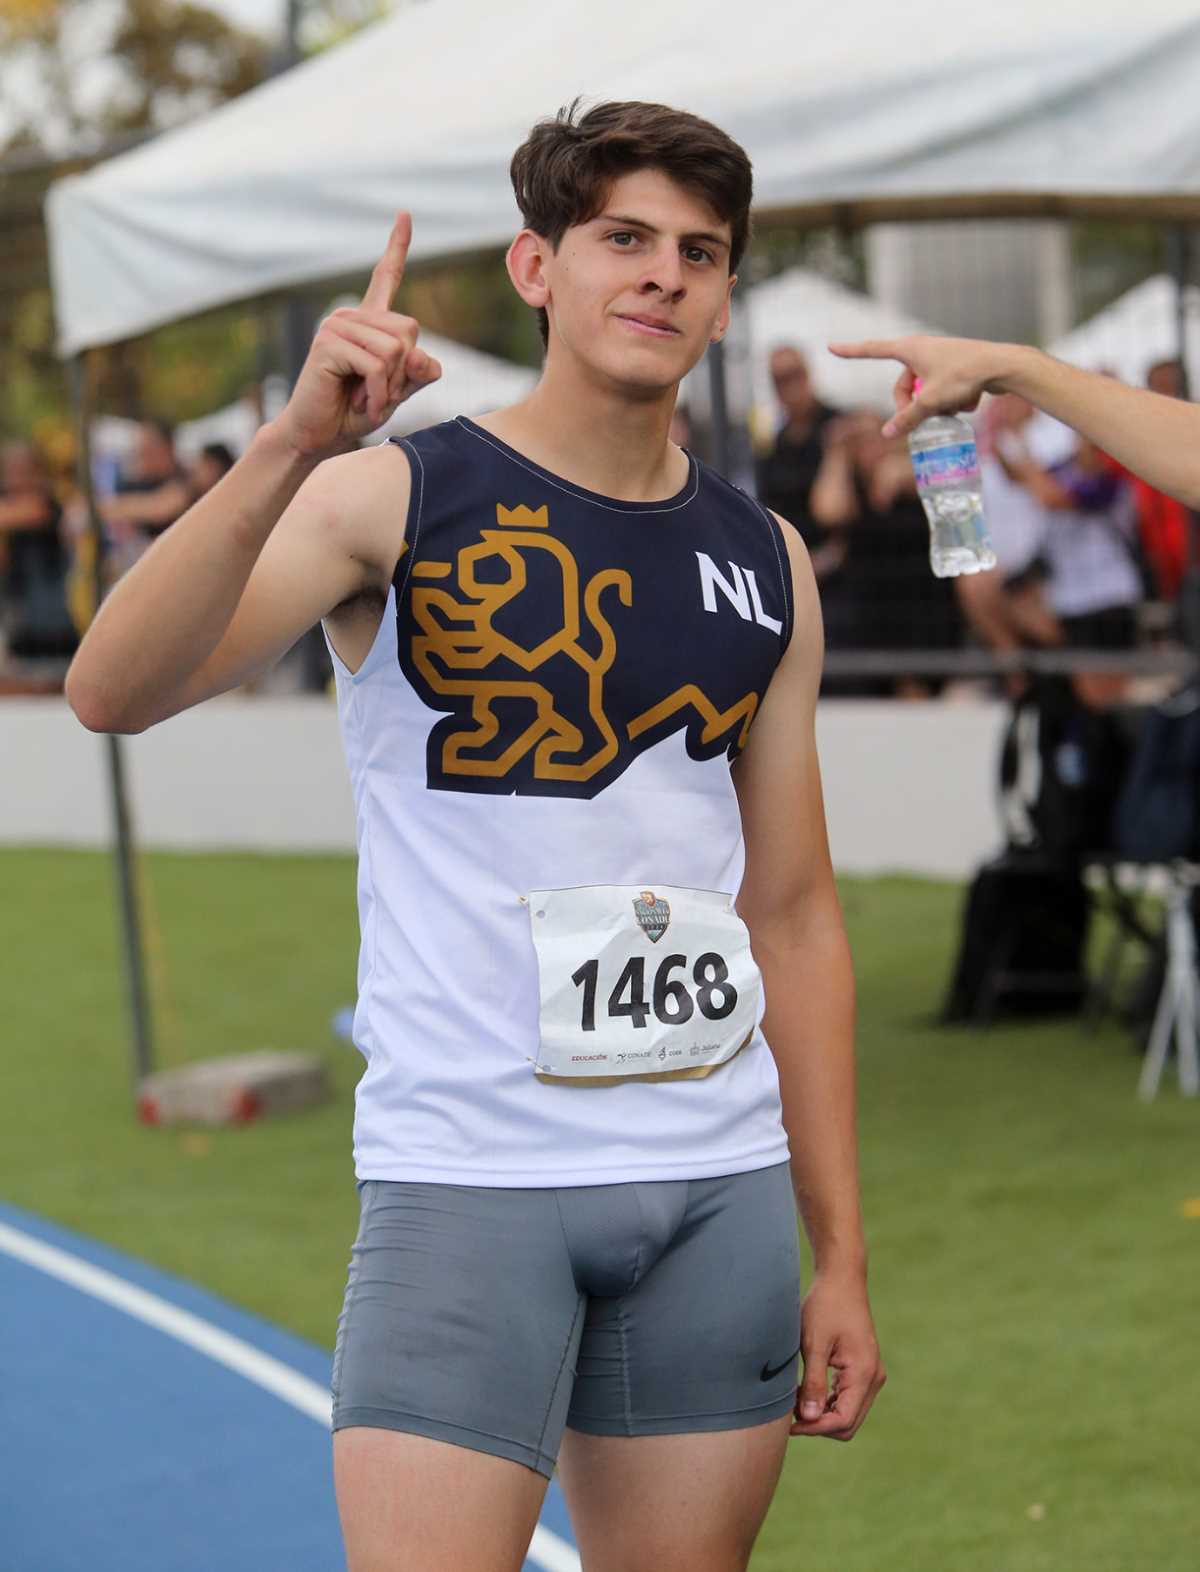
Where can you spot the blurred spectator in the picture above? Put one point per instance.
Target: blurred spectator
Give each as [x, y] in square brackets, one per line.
[1095, 584]
[1091, 546]
[212, 462]
[1164, 525]
[1166, 377]
[151, 492]
[1009, 609]
[787, 472]
[884, 596]
[33, 559]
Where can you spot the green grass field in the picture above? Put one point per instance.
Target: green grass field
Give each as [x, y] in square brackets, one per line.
[1035, 1270]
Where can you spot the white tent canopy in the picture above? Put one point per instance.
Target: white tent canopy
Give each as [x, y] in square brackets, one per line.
[868, 102]
[1135, 331]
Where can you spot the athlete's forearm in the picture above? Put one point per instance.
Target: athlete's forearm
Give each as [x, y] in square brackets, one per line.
[166, 615]
[809, 1024]
[1155, 436]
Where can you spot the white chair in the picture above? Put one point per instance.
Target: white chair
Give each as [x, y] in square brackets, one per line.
[1177, 1013]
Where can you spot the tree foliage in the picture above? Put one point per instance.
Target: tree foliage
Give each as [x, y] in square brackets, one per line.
[80, 73]
[81, 78]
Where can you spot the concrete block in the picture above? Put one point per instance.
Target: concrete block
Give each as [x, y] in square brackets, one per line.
[234, 1089]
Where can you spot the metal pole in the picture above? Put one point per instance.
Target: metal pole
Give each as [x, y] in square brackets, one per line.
[718, 400]
[1179, 265]
[298, 314]
[291, 34]
[1179, 262]
[133, 955]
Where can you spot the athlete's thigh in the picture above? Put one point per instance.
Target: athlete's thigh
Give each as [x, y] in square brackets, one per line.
[677, 1503]
[411, 1504]
[461, 1320]
[452, 1375]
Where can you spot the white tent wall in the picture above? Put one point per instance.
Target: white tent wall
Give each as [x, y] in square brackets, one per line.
[878, 108]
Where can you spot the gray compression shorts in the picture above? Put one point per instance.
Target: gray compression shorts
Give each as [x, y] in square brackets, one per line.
[492, 1317]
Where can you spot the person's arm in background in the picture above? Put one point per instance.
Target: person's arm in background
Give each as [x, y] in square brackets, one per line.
[155, 508]
[789, 902]
[1154, 436]
[833, 500]
[28, 510]
[1017, 463]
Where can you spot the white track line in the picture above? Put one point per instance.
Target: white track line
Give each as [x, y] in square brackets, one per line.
[547, 1549]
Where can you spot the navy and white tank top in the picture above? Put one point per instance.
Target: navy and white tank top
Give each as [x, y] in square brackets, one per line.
[551, 985]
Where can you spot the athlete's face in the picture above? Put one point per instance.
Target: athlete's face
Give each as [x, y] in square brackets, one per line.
[640, 291]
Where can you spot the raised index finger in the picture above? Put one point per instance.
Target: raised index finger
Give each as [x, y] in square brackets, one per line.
[389, 270]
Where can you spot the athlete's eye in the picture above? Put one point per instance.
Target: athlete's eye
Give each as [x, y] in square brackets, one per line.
[622, 234]
[698, 254]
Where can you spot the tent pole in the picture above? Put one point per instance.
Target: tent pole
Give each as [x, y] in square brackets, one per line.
[1179, 261]
[135, 971]
[718, 400]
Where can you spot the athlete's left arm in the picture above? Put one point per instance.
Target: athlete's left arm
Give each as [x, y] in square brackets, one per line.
[790, 904]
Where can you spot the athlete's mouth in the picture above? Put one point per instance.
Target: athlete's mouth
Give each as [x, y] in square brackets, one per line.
[657, 327]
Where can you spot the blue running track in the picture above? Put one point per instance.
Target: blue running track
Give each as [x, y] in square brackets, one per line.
[150, 1427]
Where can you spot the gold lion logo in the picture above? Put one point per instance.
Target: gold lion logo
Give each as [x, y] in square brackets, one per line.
[458, 643]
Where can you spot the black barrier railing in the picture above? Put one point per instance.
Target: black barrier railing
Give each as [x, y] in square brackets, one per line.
[1177, 662]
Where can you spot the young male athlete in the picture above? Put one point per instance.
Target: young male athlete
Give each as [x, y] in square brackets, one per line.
[576, 676]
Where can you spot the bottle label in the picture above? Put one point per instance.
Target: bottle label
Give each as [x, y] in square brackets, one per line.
[956, 462]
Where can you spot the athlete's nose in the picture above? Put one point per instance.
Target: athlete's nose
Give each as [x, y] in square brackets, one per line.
[665, 275]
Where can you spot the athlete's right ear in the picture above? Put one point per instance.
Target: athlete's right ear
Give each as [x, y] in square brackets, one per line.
[526, 267]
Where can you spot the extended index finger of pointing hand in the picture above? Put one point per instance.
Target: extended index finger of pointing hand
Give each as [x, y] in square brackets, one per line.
[389, 270]
[868, 349]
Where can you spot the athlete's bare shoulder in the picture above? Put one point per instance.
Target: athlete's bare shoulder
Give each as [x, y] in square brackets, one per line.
[806, 599]
[367, 492]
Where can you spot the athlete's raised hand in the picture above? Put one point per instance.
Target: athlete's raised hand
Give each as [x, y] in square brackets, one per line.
[364, 361]
[953, 373]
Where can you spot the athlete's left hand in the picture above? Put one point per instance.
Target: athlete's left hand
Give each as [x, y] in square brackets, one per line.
[838, 1336]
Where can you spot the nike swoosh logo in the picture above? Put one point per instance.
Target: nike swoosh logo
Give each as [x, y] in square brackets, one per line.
[769, 1372]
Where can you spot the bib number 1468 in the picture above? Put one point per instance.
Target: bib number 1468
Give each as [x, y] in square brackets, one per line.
[670, 998]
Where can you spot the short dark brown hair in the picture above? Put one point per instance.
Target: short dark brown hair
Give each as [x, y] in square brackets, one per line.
[562, 172]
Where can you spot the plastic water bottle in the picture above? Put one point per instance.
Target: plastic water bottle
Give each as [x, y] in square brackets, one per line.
[946, 466]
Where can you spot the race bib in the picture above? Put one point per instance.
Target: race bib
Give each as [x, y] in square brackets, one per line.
[637, 983]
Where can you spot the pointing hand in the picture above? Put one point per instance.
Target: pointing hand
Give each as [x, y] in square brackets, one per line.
[953, 373]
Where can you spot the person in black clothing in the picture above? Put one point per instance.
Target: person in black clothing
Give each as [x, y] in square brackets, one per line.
[33, 559]
[787, 472]
[206, 469]
[886, 596]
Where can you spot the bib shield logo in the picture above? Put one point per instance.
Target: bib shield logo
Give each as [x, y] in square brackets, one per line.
[652, 914]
